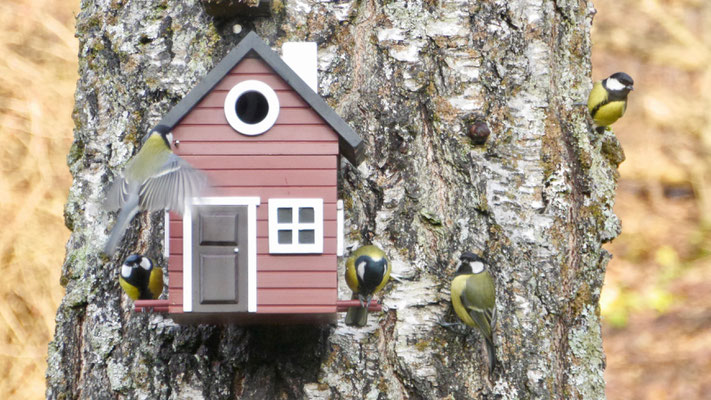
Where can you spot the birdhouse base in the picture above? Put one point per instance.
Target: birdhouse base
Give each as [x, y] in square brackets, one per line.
[253, 318]
[244, 318]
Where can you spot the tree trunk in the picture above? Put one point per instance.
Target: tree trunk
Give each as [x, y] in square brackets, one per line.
[410, 78]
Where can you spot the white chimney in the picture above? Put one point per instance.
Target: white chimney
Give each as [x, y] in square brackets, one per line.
[302, 57]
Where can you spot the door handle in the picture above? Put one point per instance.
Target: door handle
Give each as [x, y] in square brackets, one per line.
[236, 250]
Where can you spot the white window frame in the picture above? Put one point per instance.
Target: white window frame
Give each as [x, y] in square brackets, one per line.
[231, 113]
[251, 203]
[274, 226]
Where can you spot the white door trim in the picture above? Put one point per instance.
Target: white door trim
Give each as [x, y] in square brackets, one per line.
[251, 202]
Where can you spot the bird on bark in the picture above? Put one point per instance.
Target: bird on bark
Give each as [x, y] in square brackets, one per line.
[474, 299]
[607, 101]
[140, 279]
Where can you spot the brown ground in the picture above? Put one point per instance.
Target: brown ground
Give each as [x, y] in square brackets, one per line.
[657, 298]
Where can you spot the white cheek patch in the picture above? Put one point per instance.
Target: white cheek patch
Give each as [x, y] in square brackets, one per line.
[614, 84]
[477, 267]
[169, 136]
[145, 264]
[360, 269]
[125, 271]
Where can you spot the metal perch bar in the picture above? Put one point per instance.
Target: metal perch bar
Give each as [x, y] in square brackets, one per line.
[150, 305]
[342, 305]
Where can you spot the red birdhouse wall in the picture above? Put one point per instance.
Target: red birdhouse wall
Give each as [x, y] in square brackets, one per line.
[297, 158]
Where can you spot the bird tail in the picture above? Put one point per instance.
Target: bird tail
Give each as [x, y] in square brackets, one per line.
[128, 211]
[357, 316]
[491, 353]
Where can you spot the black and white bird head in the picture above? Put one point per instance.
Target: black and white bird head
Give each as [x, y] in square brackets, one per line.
[470, 263]
[165, 133]
[135, 264]
[619, 82]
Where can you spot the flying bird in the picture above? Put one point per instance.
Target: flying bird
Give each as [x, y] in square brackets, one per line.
[154, 179]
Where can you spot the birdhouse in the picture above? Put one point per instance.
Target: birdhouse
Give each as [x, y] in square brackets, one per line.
[264, 243]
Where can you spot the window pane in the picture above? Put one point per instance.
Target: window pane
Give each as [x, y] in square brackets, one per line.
[307, 236]
[284, 237]
[306, 215]
[284, 215]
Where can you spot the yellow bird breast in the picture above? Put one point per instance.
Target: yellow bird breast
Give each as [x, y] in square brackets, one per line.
[609, 113]
[132, 291]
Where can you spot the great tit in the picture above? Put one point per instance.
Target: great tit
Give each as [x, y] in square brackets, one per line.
[474, 298]
[607, 101]
[155, 179]
[367, 272]
[140, 279]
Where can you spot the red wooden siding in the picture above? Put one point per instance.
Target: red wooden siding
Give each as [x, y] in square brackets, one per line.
[217, 99]
[216, 116]
[329, 246]
[255, 147]
[280, 133]
[296, 158]
[283, 177]
[275, 279]
[323, 262]
[274, 81]
[247, 163]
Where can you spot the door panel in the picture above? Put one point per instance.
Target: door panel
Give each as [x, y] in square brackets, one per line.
[219, 258]
[219, 277]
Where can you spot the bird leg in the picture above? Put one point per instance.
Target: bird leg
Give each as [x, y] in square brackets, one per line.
[360, 299]
[456, 327]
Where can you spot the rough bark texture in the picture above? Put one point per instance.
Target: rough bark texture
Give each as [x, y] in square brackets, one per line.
[409, 77]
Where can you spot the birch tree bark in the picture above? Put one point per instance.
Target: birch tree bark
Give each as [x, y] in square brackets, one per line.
[411, 78]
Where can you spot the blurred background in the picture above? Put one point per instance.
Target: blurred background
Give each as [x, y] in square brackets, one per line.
[656, 303]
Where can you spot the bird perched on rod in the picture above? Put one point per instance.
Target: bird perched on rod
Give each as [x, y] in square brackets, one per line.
[140, 279]
[474, 298]
[154, 179]
[367, 272]
[607, 101]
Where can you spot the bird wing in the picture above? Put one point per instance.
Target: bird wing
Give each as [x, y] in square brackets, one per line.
[351, 275]
[175, 181]
[155, 282]
[478, 297]
[117, 195]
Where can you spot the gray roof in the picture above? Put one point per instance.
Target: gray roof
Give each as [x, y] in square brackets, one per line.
[350, 144]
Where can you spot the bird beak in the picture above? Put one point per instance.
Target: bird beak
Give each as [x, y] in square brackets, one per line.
[630, 87]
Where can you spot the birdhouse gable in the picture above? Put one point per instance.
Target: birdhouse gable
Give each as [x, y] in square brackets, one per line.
[252, 89]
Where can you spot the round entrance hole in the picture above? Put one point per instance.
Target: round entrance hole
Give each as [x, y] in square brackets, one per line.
[251, 107]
